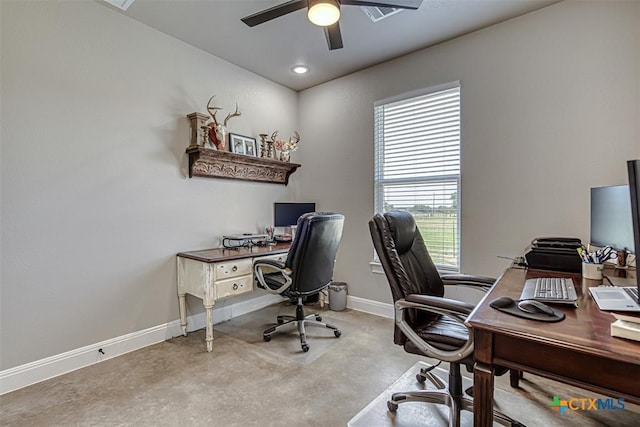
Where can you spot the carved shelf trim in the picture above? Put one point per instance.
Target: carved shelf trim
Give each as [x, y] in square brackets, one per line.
[223, 164]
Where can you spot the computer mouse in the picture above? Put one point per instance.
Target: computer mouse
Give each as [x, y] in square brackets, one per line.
[533, 306]
[502, 302]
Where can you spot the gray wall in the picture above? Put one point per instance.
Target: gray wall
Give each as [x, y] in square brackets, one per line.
[96, 199]
[550, 108]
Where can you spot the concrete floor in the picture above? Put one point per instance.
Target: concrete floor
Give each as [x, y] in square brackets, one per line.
[243, 382]
[178, 383]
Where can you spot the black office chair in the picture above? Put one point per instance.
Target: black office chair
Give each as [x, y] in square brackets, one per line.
[426, 323]
[307, 270]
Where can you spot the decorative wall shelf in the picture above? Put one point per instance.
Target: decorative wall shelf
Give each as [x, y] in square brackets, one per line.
[223, 164]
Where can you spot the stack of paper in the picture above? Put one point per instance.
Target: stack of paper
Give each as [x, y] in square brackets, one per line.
[626, 327]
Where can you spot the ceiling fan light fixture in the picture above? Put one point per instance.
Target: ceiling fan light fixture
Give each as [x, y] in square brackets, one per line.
[323, 12]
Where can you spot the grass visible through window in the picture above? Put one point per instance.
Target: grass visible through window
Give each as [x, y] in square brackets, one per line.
[439, 232]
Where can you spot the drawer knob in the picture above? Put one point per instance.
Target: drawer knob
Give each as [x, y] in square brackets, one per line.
[235, 286]
[235, 268]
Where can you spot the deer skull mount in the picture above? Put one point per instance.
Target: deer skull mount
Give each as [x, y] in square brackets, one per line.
[218, 132]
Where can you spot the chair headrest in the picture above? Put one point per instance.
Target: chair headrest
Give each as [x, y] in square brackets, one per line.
[403, 229]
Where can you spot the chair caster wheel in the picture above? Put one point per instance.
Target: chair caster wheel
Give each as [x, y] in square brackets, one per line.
[319, 318]
[337, 334]
[392, 407]
[305, 348]
[267, 338]
[421, 378]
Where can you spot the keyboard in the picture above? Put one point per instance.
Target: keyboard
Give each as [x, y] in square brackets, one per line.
[557, 290]
[633, 293]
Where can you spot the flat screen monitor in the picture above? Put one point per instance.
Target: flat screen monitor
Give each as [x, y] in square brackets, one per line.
[287, 214]
[633, 167]
[611, 217]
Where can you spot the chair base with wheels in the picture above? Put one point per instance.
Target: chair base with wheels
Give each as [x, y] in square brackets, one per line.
[307, 271]
[449, 394]
[300, 321]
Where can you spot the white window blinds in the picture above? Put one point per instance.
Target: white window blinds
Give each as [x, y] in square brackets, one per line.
[417, 165]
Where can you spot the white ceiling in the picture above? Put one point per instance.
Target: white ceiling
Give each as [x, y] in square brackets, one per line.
[272, 48]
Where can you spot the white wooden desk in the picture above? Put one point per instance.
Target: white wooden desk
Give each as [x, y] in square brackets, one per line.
[214, 274]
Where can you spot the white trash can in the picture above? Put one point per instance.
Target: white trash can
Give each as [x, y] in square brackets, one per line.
[337, 296]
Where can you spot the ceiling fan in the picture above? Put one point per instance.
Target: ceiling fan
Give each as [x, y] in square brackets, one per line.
[325, 13]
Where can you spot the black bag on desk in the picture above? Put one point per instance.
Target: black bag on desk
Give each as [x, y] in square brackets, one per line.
[555, 253]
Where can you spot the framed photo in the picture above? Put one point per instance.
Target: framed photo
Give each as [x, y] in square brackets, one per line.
[243, 145]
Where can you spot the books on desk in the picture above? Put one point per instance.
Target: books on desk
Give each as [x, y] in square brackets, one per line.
[626, 327]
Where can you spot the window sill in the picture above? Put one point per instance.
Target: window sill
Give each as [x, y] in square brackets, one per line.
[376, 267]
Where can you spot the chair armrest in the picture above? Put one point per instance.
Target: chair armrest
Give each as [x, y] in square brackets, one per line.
[456, 310]
[269, 264]
[276, 265]
[481, 282]
[451, 305]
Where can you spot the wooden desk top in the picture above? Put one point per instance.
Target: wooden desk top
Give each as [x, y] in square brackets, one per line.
[221, 254]
[585, 329]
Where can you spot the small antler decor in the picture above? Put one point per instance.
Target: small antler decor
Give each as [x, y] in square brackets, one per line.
[279, 149]
[288, 145]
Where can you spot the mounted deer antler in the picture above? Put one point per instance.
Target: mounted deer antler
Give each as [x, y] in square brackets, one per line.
[218, 132]
[230, 115]
[213, 113]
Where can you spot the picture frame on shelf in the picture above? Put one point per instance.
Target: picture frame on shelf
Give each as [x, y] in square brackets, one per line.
[240, 144]
[251, 147]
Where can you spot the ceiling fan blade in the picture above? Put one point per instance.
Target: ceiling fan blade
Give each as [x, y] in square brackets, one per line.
[396, 4]
[274, 12]
[334, 38]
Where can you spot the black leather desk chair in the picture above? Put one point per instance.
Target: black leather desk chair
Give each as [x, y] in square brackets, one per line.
[426, 323]
[307, 270]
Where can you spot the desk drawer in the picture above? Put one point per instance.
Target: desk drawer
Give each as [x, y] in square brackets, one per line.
[235, 268]
[235, 286]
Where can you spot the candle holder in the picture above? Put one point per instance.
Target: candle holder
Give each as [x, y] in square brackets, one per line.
[263, 144]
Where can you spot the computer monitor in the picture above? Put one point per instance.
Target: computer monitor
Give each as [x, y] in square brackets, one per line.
[611, 218]
[287, 214]
[633, 167]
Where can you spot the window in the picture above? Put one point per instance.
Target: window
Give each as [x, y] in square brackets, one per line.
[417, 165]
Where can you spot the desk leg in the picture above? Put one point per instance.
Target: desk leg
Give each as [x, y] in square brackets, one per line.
[483, 379]
[209, 333]
[514, 378]
[183, 313]
[482, 395]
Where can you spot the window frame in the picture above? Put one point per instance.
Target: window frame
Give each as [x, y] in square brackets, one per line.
[378, 185]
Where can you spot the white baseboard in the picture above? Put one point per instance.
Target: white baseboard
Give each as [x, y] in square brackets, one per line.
[44, 369]
[372, 307]
[50, 367]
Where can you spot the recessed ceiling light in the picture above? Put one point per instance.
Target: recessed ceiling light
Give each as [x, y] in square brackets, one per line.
[300, 69]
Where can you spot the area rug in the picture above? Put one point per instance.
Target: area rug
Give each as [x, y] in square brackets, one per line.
[530, 404]
[285, 343]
